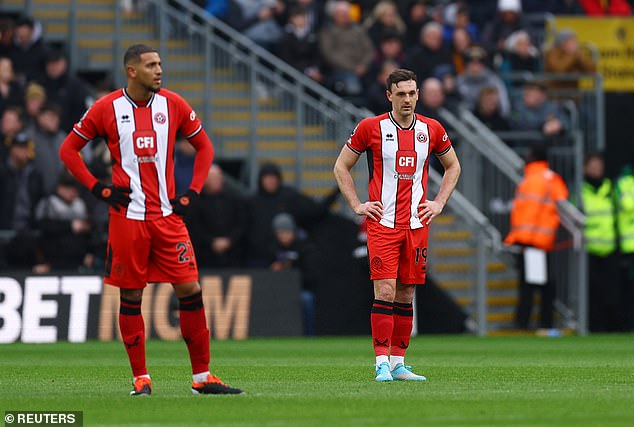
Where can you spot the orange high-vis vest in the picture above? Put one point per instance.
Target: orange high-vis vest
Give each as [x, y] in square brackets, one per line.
[534, 216]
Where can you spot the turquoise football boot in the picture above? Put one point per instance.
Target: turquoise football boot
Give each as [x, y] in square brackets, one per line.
[403, 373]
[383, 372]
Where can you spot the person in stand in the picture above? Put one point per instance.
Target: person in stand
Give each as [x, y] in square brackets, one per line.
[21, 188]
[399, 145]
[65, 228]
[218, 224]
[534, 223]
[294, 250]
[147, 238]
[597, 203]
[624, 194]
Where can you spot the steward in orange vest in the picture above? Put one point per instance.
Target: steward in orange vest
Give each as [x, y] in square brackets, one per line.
[534, 216]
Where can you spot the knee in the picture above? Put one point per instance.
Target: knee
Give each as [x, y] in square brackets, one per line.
[131, 294]
[405, 293]
[183, 290]
[384, 292]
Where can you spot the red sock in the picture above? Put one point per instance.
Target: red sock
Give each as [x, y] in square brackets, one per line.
[194, 331]
[133, 333]
[382, 323]
[403, 321]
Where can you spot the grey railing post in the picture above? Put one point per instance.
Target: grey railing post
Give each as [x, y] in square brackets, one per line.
[253, 110]
[209, 71]
[163, 27]
[72, 37]
[481, 283]
[299, 123]
[582, 300]
[117, 53]
[28, 7]
[598, 93]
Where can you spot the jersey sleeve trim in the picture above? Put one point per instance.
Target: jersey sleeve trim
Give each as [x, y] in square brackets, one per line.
[81, 134]
[195, 132]
[354, 149]
[443, 152]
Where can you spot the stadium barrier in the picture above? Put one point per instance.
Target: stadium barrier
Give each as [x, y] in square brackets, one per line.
[75, 308]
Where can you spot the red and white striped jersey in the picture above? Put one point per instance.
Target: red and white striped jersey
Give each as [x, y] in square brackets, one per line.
[398, 162]
[141, 140]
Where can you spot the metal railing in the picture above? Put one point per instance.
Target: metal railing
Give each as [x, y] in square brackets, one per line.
[486, 239]
[491, 172]
[255, 106]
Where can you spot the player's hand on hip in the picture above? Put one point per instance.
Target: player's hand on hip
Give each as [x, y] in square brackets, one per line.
[428, 210]
[117, 197]
[182, 203]
[373, 210]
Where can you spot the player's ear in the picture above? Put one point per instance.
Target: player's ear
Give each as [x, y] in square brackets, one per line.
[389, 95]
[130, 70]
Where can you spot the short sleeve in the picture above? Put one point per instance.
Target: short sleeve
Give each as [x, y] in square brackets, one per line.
[440, 142]
[190, 124]
[90, 125]
[359, 138]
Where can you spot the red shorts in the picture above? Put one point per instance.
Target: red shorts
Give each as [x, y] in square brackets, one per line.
[149, 251]
[397, 253]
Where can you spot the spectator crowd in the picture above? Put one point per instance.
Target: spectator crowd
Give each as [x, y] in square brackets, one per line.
[459, 50]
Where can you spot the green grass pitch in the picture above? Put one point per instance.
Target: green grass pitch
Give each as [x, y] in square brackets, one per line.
[494, 381]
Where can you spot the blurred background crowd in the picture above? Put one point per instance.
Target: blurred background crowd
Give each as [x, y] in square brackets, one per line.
[459, 51]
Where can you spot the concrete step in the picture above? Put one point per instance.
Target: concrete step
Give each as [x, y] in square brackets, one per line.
[101, 43]
[492, 301]
[219, 101]
[492, 285]
[246, 116]
[269, 131]
[442, 267]
[57, 13]
[452, 235]
[454, 252]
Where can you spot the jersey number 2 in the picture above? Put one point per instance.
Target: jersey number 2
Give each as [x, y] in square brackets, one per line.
[183, 248]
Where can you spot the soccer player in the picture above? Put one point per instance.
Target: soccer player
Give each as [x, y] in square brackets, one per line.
[398, 145]
[147, 239]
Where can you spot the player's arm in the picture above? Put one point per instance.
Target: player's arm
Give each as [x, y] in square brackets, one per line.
[430, 209]
[202, 162]
[117, 197]
[343, 165]
[69, 153]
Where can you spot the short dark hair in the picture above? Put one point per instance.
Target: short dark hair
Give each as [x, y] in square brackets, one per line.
[400, 75]
[50, 107]
[538, 153]
[25, 20]
[134, 52]
[54, 55]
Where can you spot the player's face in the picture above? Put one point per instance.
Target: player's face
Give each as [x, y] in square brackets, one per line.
[148, 71]
[403, 97]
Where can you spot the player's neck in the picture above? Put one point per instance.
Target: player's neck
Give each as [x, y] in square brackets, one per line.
[404, 121]
[138, 94]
